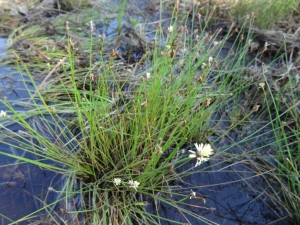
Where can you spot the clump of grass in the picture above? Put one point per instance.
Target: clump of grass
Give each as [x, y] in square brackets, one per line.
[267, 13]
[120, 146]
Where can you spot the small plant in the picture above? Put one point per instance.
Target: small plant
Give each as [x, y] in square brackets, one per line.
[133, 21]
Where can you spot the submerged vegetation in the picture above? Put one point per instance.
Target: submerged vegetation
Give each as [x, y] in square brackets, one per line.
[122, 117]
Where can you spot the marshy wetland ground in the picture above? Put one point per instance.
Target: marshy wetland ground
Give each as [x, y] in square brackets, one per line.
[103, 105]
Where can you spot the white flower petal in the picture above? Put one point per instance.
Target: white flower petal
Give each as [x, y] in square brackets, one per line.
[134, 184]
[204, 159]
[202, 153]
[192, 156]
[198, 163]
[3, 113]
[117, 181]
[207, 150]
[198, 148]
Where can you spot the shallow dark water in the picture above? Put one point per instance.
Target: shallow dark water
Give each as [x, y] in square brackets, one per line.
[23, 186]
[234, 191]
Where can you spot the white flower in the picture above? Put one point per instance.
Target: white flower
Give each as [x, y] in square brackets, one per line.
[148, 75]
[192, 195]
[210, 59]
[117, 181]
[134, 184]
[92, 26]
[51, 189]
[202, 153]
[215, 43]
[3, 113]
[170, 29]
[262, 85]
